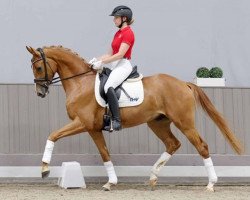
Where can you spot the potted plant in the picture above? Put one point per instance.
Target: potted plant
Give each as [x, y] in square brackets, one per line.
[215, 72]
[209, 78]
[203, 72]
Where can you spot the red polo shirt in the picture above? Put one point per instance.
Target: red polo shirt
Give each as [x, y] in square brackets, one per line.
[125, 35]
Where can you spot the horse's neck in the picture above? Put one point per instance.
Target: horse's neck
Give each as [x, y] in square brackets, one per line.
[70, 65]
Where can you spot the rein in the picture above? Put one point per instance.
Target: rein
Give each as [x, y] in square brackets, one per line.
[53, 80]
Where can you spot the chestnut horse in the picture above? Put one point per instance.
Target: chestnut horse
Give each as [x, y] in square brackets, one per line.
[166, 100]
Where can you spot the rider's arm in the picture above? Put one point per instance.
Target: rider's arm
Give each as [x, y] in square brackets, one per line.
[122, 51]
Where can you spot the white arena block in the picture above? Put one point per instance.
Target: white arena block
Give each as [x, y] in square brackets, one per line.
[71, 176]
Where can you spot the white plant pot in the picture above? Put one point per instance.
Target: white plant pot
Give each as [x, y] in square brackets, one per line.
[210, 82]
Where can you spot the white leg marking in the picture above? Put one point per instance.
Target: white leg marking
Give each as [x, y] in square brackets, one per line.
[111, 172]
[212, 177]
[159, 164]
[48, 151]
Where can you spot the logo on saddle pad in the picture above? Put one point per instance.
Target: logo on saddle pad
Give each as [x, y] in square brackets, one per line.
[134, 99]
[129, 94]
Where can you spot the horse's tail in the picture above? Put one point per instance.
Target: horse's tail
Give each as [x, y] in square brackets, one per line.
[217, 118]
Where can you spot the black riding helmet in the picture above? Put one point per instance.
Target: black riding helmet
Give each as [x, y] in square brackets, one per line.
[122, 11]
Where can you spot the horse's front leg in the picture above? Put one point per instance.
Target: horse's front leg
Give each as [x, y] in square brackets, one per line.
[72, 128]
[99, 140]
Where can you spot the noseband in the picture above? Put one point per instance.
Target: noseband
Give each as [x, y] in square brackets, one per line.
[46, 81]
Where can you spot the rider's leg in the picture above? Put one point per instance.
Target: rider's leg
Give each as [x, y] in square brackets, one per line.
[114, 108]
[117, 76]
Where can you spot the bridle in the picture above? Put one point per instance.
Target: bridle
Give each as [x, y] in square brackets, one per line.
[45, 82]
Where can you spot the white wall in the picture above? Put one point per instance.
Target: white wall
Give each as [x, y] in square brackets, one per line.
[174, 37]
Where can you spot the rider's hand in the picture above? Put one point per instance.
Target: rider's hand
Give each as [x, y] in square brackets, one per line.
[97, 65]
[92, 60]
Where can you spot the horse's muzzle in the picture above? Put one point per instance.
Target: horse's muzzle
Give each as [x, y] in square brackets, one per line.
[42, 90]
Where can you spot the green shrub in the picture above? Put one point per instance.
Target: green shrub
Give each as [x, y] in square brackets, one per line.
[202, 72]
[215, 72]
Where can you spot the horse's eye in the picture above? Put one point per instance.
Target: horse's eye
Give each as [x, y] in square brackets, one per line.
[39, 69]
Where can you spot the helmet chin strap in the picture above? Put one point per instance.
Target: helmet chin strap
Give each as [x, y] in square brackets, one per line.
[123, 21]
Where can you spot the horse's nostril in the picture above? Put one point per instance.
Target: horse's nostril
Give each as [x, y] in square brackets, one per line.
[41, 95]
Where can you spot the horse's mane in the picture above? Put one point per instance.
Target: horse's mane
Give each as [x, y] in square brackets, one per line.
[65, 49]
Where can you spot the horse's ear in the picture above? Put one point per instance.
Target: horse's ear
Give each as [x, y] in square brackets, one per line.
[32, 51]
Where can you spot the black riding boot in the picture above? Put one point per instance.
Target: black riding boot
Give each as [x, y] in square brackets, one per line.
[114, 108]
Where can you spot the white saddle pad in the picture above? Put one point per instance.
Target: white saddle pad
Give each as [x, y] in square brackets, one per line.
[134, 90]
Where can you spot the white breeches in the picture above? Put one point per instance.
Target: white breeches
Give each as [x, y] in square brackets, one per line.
[120, 71]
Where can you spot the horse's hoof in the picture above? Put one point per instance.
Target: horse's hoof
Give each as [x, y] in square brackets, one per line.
[45, 174]
[107, 186]
[210, 188]
[152, 183]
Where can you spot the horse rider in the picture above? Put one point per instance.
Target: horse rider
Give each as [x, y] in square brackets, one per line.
[119, 57]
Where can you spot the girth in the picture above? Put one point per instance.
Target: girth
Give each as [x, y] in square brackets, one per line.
[104, 77]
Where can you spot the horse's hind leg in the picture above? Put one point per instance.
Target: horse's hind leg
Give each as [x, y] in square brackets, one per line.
[186, 125]
[161, 128]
